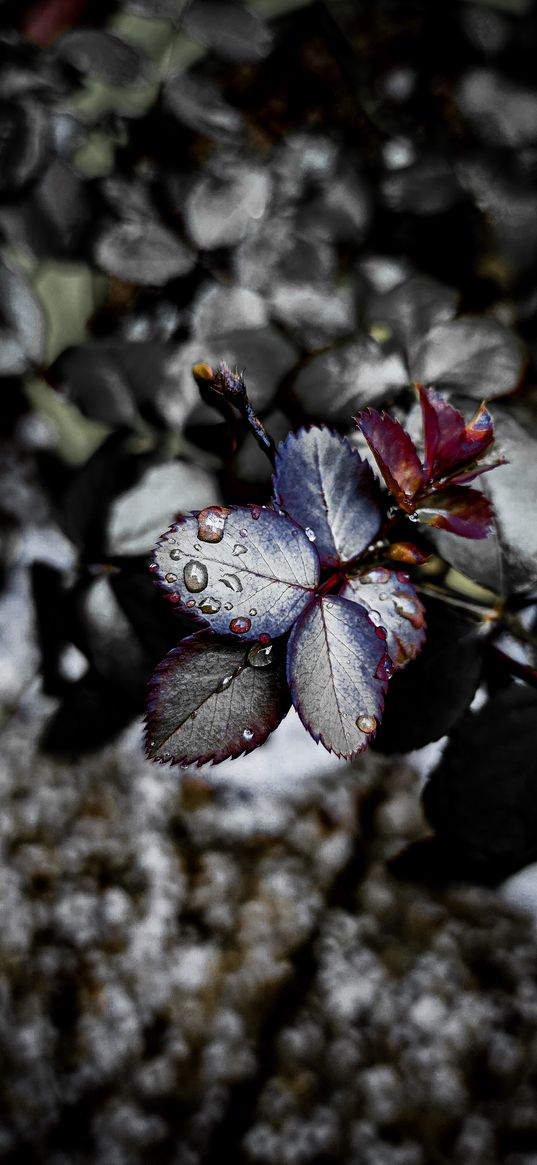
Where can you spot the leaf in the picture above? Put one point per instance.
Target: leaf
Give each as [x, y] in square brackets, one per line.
[25, 136]
[92, 50]
[231, 31]
[245, 571]
[395, 454]
[461, 510]
[142, 252]
[449, 441]
[91, 713]
[337, 669]
[198, 103]
[333, 384]
[424, 703]
[507, 561]
[411, 309]
[474, 354]
[326, 487]
[207, 702]
[481, 797]
[392, 602]
[138, 515]
[22, 328]
[220, 209]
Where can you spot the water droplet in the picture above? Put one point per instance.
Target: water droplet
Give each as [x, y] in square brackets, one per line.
[382, 596]
[240, 626]
[381, 632]
[197, 546]
[175, 554]
[242, 533]
[176, 599]
[189, 603]
[228, 606]
[294, 533]
[377, 575]
[254, 512]
[153, 566]
[366, 724]
[260, 655]
[310, 534]
[375, 617]
[402, 576]
[238, 549]
[248, 734]
[252, 611]
[195, 576]
[384, 670]
[210, 606]
[211, 523]
[413, 517]
[408, 609]
[171, 578]
[227, 680]
[264, 638]
[232, 581]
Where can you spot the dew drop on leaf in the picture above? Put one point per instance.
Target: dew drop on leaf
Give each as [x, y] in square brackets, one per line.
[254, 512]
[228, 606]
[252, 611]
[195, 576]
[211, 523]
[153, 566]
[237, 549]
[232, 581]
[240, 625]
[197, 546]
[248, 734]
[381, 632]
[366, 724]
[171, 578]
[310, 534]
[190, 603]
[227, 680]
[408, 609]
[210, 606]
[260, 655]
[385, 669]
[402, 576]
[377, 575]
[175, 554]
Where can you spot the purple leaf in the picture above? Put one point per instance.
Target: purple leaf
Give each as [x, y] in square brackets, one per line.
[338, 670]
[460, 510]
[245, 571]
[392, 602]
[211, 699]
[324, 484]
[449, 441]
[395, 454]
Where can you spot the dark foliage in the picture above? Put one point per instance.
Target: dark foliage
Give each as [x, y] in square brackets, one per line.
[342, 201]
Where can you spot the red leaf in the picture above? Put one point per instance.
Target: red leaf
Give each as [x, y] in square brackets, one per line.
[395, 454]
[460, 510]
[46, 20]
[449, 441]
